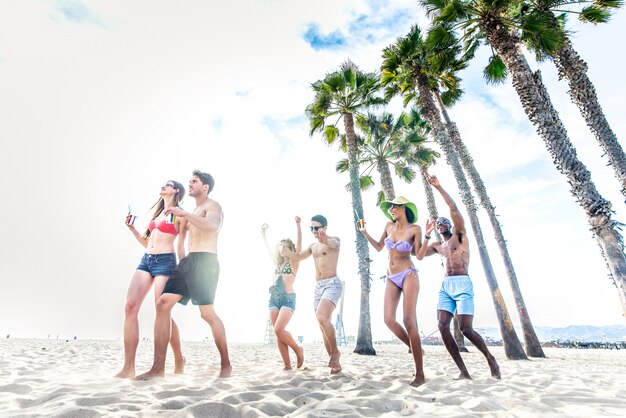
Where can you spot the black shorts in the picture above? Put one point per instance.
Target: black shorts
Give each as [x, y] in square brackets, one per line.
[195, 278]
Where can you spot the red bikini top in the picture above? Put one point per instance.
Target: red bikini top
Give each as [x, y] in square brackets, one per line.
[163, 227]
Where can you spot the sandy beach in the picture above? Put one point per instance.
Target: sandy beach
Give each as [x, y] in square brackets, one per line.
[58, 378]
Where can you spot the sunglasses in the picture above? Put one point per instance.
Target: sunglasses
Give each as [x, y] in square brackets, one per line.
[316, 228]
[170, 185]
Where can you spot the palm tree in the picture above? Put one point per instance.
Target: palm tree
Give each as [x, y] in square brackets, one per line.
[406, 71]
[391, 142]
[487, 21]
[533, 14]
[445, 65]
[343, 94]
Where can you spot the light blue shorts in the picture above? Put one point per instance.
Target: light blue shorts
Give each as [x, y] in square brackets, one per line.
[328, 289]
[456, 294]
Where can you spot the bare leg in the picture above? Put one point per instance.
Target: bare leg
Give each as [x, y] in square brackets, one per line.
[284, 315]
[179, 360]
[444, 318]
[411, 290]
[162, 325]
[465, 323]
[326, 344]
[283, 348]
[137, 290]
[392, 298]
[323, 313]
[219, 335]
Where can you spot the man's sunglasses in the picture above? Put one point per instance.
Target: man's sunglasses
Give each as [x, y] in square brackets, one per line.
[316, 228]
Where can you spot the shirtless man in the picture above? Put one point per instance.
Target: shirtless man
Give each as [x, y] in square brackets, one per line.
[328, 288]
[456, 291]
[195, 277]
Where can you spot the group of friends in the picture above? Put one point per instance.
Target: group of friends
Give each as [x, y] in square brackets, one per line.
[196, 275]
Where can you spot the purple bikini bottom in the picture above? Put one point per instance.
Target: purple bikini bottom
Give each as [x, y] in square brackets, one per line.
[398, 278]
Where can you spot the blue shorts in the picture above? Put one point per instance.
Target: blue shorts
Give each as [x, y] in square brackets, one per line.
[158, 264]
[456, 294]
[283, 301]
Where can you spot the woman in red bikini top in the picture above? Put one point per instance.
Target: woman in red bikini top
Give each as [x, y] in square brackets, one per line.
[402, 238]
[155, 267]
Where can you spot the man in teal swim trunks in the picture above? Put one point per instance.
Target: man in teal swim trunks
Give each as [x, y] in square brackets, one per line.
[456, 293]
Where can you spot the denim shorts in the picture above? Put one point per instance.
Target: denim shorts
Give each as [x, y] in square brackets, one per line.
[456, 294]
[283, 301]
[158, 264]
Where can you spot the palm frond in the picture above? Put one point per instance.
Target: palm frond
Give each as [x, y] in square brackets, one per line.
[342, 166]
[380, 197]
[451, 97]
[495, 72]
[594, 14]
[611, 4]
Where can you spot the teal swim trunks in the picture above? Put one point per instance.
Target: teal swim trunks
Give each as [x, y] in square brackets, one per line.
[457, 294]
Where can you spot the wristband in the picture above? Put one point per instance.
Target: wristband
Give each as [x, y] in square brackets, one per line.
[426, 236]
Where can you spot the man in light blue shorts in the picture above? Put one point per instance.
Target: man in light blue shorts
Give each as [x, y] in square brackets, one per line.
[457, 291]
[328, 289]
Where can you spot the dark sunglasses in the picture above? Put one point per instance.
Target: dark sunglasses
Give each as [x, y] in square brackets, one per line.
[316, 228]
[170, 184]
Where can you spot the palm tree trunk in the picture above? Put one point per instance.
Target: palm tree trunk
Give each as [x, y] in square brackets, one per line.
[432, 212]
[538, 107]
[583, 94]
[364, 343]
[430, 201]
[385, 179]
[512, 346]
[532, 344]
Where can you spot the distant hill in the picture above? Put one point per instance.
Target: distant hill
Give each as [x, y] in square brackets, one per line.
[610, 333]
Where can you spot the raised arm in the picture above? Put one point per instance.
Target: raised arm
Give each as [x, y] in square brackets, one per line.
[298, 235]
[267, 245]
[295, 264]
[296, 256]
[139, 237]
[331, 242]
[378, 245]
[417, 242]
[426, 250]
[457, 219]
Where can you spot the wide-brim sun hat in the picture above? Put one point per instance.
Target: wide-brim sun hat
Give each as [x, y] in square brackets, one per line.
[400, 200]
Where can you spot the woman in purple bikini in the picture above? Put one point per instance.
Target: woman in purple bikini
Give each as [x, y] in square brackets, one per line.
[402, 238]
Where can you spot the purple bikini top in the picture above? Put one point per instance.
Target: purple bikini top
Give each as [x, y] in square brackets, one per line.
[402, 246]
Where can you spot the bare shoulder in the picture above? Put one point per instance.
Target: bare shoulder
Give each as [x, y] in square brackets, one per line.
[416, 229]
[212, 207]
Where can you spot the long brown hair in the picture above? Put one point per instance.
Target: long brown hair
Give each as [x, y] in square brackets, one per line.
[279, 259]
[158, 207]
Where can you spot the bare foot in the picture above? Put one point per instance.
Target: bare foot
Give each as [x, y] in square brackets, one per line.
[335, 367]
[464, 375]
[418, 381]
[300, 357]
[150, 375]
[495, 369]
[179, 367]
[287, 369]
[226, 372]
[126, 374]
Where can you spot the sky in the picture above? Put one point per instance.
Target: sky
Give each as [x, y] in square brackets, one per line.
[102, 102]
